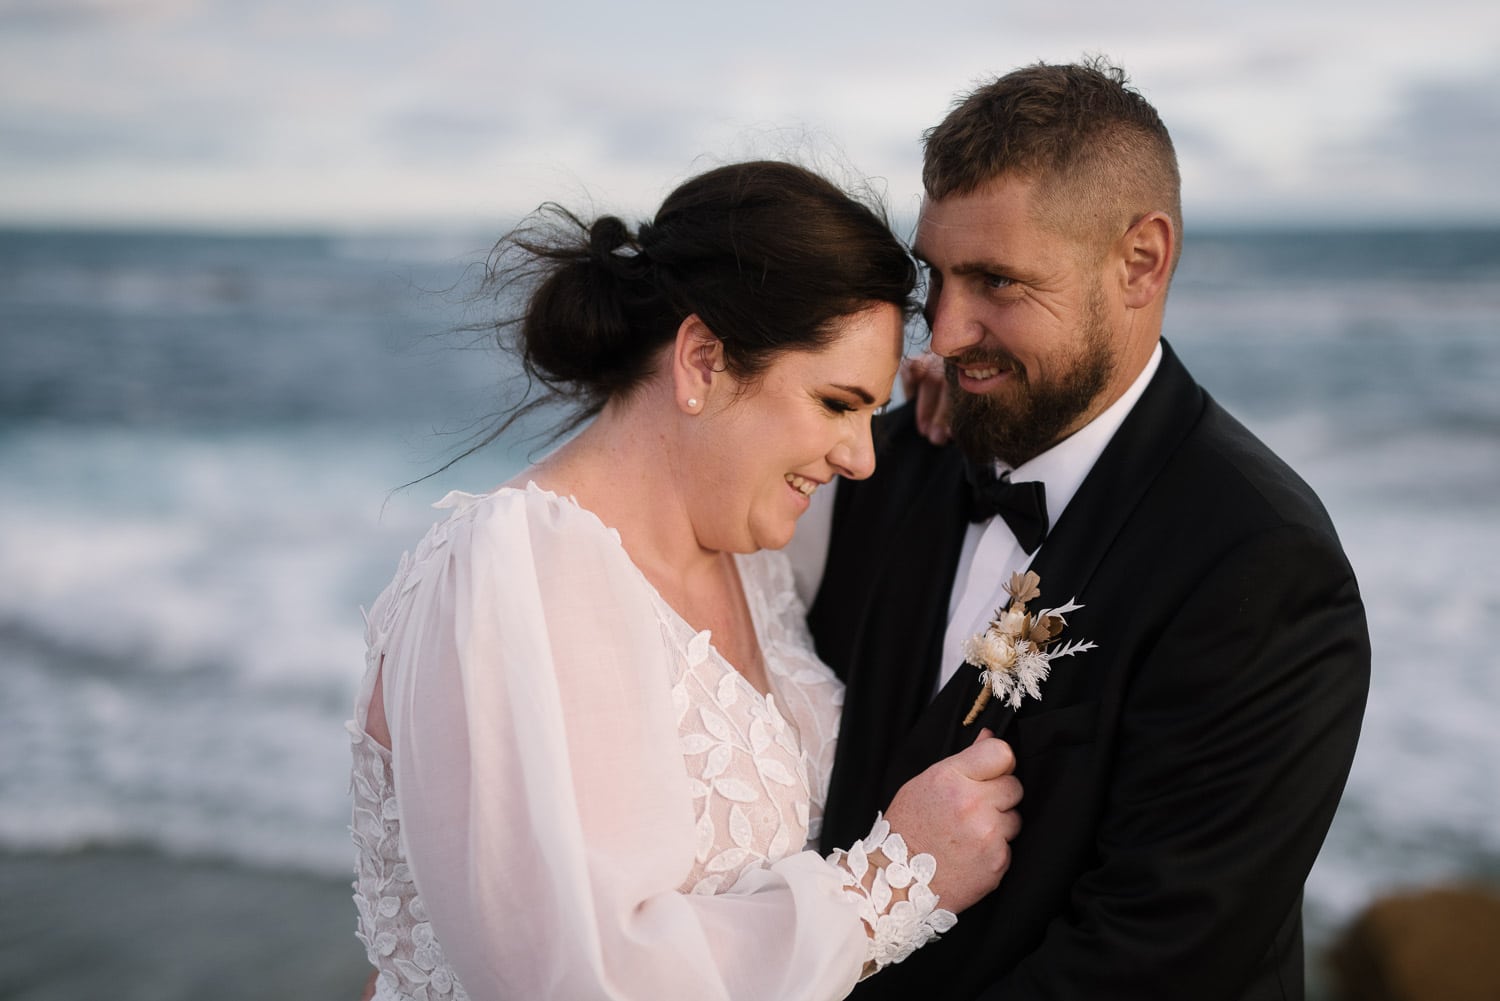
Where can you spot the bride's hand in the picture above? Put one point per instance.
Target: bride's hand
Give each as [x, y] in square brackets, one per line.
[962, 811]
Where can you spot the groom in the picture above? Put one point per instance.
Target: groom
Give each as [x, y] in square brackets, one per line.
[1180, 776]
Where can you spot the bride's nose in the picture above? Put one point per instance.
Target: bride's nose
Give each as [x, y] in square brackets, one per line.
[854, 455]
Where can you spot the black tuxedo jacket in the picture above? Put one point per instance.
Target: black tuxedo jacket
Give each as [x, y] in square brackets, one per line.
[1180, 778]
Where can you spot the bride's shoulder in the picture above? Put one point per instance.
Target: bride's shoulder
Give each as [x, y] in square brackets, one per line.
[495, 540]
[516, 511]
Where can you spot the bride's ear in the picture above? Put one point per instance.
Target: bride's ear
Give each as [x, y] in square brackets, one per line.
[697, 364]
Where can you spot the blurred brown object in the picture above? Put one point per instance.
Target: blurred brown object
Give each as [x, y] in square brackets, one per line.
[1441, 944]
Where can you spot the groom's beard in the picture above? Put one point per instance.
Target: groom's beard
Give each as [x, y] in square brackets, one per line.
[1025, 419]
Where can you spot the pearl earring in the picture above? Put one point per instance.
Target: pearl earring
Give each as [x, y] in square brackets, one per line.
[692, 403]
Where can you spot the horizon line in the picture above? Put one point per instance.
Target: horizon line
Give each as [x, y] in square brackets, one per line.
[221, 228]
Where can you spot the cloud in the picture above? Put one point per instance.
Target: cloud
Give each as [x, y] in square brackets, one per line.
[73, 15]
[422, 135]
[353, 109]
[1433, 153]
[1446, 130]
[62, 142]
[81, 141]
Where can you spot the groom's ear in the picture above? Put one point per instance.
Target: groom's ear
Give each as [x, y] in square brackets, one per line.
[697, 364]
[1146, 253]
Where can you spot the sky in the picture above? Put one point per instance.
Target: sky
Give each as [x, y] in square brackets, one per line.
[380, 114]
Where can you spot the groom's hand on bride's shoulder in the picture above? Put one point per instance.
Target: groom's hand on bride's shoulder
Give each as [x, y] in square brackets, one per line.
[962, 811]
[924, 382]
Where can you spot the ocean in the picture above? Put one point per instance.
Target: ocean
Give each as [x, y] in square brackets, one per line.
[203, 446]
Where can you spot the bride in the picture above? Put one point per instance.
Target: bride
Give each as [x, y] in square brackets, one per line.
[593, 737]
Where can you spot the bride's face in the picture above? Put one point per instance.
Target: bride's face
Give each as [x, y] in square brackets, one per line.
[804, 421]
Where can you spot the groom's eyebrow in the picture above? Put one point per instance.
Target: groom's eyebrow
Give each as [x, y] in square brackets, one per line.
[981, 267]
[963, 267]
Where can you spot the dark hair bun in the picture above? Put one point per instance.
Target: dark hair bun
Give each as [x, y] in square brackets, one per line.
[607, 235]
[576, 335]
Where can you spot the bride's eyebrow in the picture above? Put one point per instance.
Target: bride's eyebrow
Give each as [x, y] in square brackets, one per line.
[863, 394]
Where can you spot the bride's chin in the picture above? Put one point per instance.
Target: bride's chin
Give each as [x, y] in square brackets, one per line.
[776, 537]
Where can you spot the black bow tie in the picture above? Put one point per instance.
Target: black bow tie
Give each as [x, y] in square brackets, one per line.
[1022, 505]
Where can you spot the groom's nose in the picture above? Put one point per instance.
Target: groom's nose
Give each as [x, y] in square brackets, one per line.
[954, 327]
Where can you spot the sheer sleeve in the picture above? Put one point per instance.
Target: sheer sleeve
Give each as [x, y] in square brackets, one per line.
[542, 792]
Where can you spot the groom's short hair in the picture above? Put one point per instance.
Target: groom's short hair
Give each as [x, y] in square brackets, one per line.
[1096, 149]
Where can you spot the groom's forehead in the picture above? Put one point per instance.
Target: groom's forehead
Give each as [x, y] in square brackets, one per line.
[963, 242]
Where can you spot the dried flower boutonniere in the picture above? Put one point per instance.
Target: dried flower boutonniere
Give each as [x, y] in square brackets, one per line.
[1015, 651]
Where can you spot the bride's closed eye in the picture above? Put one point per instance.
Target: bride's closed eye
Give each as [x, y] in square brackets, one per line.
[836, 406]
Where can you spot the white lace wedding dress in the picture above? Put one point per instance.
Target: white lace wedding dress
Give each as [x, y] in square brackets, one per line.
[592, 801]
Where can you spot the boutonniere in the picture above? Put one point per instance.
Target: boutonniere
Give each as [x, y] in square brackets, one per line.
[1015, 651]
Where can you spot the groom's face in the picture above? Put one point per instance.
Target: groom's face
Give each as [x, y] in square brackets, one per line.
[1020, 314]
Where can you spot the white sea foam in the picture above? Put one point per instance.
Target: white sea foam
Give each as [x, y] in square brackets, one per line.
[183, 636]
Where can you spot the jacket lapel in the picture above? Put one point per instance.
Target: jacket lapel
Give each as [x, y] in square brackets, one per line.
[1113, 489]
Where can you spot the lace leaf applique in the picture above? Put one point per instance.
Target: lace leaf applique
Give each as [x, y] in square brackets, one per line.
[736, 790]
[728, 691]
[775, 771]
[716, 725]
[696, 743]
[897, 928]
[698, 648]
[718, 761]
[729, 858]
